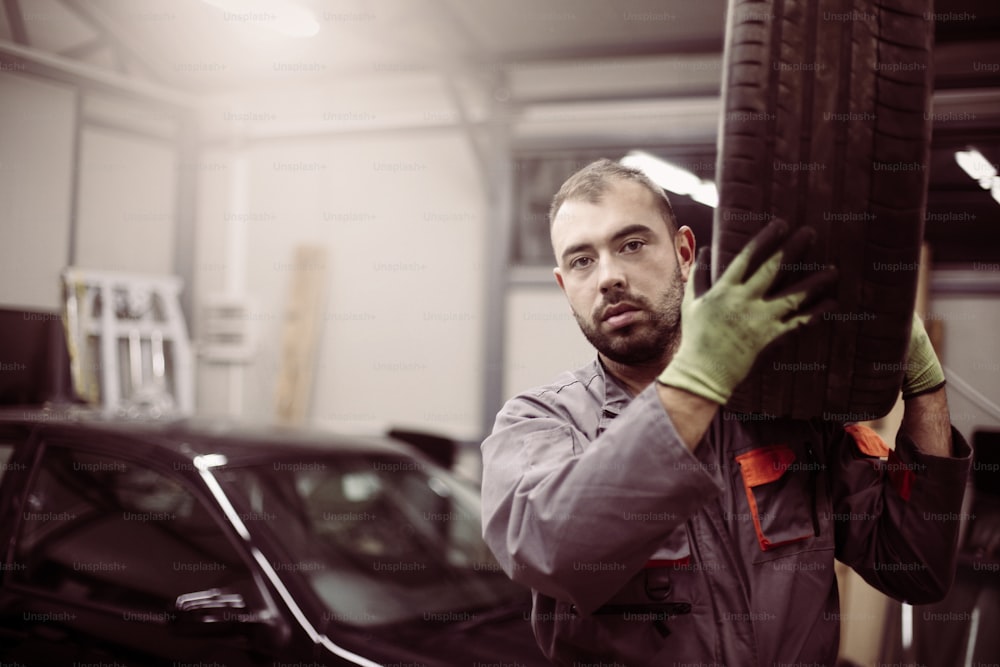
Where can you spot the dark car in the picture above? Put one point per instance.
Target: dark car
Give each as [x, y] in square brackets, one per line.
[182, 543]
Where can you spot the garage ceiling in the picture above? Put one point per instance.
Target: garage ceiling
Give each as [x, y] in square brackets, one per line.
[162, 38]
[192, 46]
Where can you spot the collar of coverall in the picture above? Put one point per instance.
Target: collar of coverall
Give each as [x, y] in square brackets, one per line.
[616, 397]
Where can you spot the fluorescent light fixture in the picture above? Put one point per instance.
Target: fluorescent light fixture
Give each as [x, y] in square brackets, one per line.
[981, 170]
[977, 166]
[707, 194]
[287, 18]
[672, 178]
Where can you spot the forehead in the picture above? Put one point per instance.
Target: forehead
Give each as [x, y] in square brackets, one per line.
[623, 203]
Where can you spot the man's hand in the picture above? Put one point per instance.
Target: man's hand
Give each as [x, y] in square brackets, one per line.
[923, 370]
[726, 328]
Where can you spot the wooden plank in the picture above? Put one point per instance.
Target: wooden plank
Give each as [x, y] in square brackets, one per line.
[299, 345]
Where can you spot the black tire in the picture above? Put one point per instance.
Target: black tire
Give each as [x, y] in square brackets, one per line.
[827, 124]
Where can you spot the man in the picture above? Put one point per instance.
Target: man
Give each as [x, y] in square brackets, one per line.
[657, 528]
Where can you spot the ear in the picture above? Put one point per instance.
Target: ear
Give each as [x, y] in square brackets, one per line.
[559, 279]
[684, 247]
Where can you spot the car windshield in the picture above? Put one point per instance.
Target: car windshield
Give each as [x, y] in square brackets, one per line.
[379, 539]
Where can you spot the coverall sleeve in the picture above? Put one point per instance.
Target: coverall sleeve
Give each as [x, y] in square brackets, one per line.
[576, 520]
[897, 520]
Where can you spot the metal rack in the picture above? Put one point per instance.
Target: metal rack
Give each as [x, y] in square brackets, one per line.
[128, 342]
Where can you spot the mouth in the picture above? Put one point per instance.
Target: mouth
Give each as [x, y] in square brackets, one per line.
[621, 315]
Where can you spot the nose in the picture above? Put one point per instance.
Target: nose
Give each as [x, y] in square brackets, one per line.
[611, 275]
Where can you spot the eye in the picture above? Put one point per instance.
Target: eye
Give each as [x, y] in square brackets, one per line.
[580, 263]
[633, 246]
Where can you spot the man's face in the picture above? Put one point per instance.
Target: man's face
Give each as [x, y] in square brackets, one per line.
[619, 267]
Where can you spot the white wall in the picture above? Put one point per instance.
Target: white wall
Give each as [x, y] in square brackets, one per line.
[36, 172]
[542, 338]
[128, 192]
[126, 188]
[401, 215]
[971, 357]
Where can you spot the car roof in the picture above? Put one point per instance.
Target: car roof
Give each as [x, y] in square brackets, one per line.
[240, 442]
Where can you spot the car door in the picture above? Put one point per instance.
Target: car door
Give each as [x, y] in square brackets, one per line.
[104, 548]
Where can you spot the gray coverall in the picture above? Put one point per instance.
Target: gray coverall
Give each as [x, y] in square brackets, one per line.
[641, 552]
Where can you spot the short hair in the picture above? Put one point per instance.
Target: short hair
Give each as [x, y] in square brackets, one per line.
[592, 182]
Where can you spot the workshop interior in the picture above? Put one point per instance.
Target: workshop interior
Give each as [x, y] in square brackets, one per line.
[332, 217]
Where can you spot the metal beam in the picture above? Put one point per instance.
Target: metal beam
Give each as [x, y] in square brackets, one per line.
[15, 19]
[497, 251]
[186, 211]
[122, 46]
[451, 76]
[470, 130]
[83, 50]
[626, 50]
[47, 65]
[965, 282]
[492, 147]
[97, 122]
[74, 193]
[314, 132]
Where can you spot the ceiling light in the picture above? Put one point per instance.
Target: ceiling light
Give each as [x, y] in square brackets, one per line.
[977, 166]
[672, 178]
[707, 194]
[296, 21]
[980, 169]
[287, 18]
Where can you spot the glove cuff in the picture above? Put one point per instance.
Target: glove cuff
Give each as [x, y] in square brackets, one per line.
[923, 369]
[921, 392]
[695, 380]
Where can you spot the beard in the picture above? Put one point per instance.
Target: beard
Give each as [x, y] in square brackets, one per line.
[656, 334]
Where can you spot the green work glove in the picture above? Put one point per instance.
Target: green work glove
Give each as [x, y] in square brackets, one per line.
[724, 330]
[923, 370]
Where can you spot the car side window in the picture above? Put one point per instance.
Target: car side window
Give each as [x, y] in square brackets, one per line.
[110, 531]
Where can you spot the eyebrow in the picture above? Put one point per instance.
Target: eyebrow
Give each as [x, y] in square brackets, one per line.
[635, 228]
